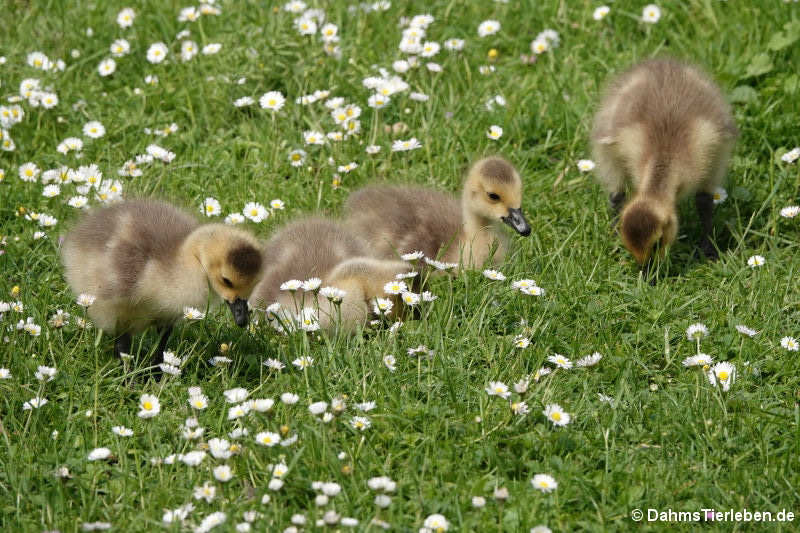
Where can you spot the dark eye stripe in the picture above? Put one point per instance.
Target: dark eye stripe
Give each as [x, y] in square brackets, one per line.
[494, 196]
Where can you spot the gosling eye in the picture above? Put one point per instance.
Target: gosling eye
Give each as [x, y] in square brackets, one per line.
[227, 283]
[493, 196]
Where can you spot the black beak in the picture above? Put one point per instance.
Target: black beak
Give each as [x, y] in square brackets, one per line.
[240, 311]
[516, 220]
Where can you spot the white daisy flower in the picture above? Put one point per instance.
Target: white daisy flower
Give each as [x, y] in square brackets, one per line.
[696, 332]
[544, 483]
[303, 362]
[149, 406]
[556, 415]
[520, 341]
[495, 132]
[651, 13]
[700, 359]
[272, 100]
[395, 287]
[211, 207]
[539, 46]
[404, 146]
[94, 129]
[234, 218]
[498, 388]
[791, 156]
[756, 261]
[454, 44]
[488, 27]
[586, 165]
[722, 374]
[589, 360]
[268, 439]
[120, 47]
[122, 431]
[312, 284]
[255, 212]
[211, 49]
[85, 300]
[790, 211]
[314, 137]
[744, 330]
[157, 52]
[99, 454]
[360, 423]
[436, 523]
[297, 157]
[601, 12]
[126, 17]
[790, 343]
[719, 195]
[291, 285]
[560, 361]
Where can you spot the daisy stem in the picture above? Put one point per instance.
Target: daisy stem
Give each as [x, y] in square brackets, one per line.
[375, 121]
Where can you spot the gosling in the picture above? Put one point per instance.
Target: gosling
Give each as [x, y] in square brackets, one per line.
[665, 130]
[144, 261]
[324, 249]
[397, 220]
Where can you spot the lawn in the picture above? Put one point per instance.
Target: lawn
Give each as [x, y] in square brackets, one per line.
[181, 120]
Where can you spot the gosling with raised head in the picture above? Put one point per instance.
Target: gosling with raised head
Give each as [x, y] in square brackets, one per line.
[664, 129]
[396, 220]
[325, 249]
[145, 261]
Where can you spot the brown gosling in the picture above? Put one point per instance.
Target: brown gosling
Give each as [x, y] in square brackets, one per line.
[324, 249]
[665, 130]
[397, 220]
[144, 261]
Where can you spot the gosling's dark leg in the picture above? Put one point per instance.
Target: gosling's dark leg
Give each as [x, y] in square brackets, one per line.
[158, 356]
[704, 203]
[122, 345]
[615, 202]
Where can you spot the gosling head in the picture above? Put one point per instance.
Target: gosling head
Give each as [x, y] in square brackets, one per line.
[644, 225]
[232, 260]
[493, 191]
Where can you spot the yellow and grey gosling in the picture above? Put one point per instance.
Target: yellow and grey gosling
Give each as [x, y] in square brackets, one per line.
[326, 250]
[665, 131]
[397, 220]
[144, 261]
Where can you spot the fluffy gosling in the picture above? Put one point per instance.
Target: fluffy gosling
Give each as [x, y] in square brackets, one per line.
[325, 249]
[665, 130]
[144, 261]
[396, 220]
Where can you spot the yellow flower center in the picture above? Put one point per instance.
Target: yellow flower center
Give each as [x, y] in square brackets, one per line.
[147, 406]
[556, 416]
[723, 376]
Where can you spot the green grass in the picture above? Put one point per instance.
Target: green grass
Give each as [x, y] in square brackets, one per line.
[670, 440]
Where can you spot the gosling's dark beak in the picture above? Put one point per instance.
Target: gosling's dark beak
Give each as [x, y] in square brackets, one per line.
[516, 220]
[240, 311]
